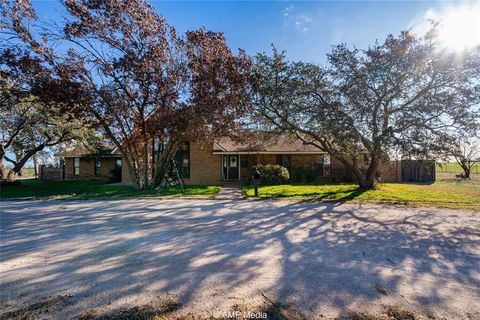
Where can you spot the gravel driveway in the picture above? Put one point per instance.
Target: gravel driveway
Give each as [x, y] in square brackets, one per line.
[322, 259]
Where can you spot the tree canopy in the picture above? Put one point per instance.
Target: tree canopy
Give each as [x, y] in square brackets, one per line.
[136, 79]
[403, 94]
[30, 122]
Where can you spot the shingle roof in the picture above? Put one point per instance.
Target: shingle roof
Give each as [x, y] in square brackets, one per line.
[263, 144]
[102, 150]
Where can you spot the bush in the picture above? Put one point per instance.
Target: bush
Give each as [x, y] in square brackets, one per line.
[300, 174]
[311, 174]
[115, 175]
[306, 174]
[273, 174]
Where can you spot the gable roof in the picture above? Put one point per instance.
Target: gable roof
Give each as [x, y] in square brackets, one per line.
[101, 150]
[262, 144]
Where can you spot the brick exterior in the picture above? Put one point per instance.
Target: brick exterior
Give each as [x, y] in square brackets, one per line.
[206, 168]
[389, 172]
[87, 169]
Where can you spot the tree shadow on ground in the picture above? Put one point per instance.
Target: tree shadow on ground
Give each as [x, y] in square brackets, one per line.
[207, 255]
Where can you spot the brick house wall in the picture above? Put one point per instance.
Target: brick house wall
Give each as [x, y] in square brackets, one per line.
[297, 161]
[205, 167]
[389, 172]
[87, 169]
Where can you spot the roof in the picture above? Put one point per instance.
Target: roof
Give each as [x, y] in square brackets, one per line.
[263, 144]
[101, 150]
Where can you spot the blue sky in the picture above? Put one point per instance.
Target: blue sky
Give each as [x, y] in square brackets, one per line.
[306, 30]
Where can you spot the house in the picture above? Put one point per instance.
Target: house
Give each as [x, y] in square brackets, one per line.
[103, 163]
[229, 161]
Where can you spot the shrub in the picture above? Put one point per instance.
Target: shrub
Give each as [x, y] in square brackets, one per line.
[115, 175]
[273, 174]
[300, 174]
[306, 174]
[311, 174]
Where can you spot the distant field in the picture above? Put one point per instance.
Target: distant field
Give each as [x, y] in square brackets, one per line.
[455, 167]
[28, 172]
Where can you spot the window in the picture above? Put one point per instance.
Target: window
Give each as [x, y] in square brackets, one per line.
[118, 163]
[182, 158]
[284, 160]
[76, 166]
[322, 162]
[233, 162]
[98, 165]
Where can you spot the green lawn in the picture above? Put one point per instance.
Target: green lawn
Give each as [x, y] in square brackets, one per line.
[449, 194]
[454, 167]
[38, 189]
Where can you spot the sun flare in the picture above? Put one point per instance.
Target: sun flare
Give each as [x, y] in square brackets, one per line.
[459, 27]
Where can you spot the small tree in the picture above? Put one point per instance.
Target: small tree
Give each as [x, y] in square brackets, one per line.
[466, 154]
[403, 94]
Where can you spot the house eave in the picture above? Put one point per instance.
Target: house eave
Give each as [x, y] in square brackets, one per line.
[92, 156]
[269, 152]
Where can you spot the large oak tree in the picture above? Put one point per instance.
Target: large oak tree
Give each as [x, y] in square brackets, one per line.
[405, 94]
[30, 122]
[137, 79]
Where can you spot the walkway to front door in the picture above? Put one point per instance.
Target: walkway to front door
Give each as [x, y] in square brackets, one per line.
[230, 191]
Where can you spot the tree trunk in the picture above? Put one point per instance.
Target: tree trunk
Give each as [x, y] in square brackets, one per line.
[162, 165]
[466, 170]
[132, 172]
[145, 162]
[364, 180]
[18, 157]
[3, 171]
[19, 164]
[35, 165]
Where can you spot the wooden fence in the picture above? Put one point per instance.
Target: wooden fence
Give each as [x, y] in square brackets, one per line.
[418, 170]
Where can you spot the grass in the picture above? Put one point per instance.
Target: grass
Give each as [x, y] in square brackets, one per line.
[455, 167]
[28, 172]
[41, 189]
[449, 194]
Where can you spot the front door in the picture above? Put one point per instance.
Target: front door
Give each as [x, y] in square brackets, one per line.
[231, 167]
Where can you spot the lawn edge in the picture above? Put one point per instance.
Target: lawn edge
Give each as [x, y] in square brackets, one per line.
[413, 204]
